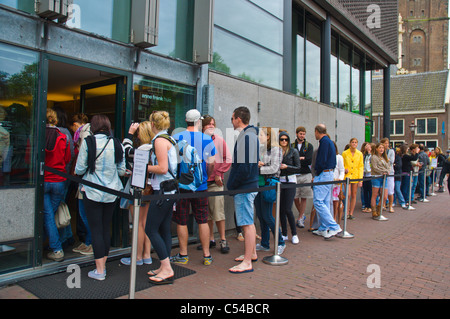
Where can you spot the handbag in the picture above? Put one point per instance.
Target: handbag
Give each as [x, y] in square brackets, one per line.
[270, 196]
[62, 216]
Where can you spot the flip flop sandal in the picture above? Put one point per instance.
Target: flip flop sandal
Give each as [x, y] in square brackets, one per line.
[241, 258]
[236, 270]
[166, 281]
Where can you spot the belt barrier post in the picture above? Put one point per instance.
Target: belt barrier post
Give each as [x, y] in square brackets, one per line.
[424, 194]
[137, 204]
[410, 190]
[432, 182]
[344, 234]
[276, 260]
[382, 199]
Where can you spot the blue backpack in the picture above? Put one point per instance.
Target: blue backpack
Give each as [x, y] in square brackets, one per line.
[189, 170]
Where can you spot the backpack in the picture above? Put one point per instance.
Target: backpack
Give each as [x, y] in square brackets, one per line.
[189, 169]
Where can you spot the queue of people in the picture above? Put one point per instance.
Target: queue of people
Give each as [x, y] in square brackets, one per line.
[259, 157]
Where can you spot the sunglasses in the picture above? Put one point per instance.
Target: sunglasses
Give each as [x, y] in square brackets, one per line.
[283, 139]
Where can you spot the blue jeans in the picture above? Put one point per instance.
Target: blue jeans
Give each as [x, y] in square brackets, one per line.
[322, 201]
[266, 221]
[53, 195]
[405, 187]
[398, 196]
[423, 187]
[82, 211]
[244, 208]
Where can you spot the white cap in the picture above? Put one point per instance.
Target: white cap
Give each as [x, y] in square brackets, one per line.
[193, 116]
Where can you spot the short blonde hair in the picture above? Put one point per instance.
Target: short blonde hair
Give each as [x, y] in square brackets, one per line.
[160, 119]
[145, 132]
[52, 118]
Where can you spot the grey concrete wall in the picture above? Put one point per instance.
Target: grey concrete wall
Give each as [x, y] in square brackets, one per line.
[279, 110]
[17, 213]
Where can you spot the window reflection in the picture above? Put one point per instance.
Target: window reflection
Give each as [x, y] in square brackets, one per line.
[275, 7]
[334, 73]
[18, 75]
[344, 77]
[238, 57]
[175, 30]
[156, 95]
[300, 65]
[356, 82]
[312, 61]
[245, 19]
[108, 18]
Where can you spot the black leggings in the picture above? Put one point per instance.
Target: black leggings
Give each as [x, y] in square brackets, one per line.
[157, 227]
[99, 216]
[287, 196]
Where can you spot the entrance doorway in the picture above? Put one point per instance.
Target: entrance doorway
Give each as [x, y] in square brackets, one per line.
[77, 88]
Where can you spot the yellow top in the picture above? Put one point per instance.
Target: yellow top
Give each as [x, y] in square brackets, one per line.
[354, 163]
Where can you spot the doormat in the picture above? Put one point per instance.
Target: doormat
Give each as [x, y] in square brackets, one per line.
[116, 284]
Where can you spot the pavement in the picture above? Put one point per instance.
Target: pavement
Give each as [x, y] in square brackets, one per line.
[406, 257]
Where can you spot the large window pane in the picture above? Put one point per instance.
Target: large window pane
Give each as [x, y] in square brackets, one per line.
[247, 20]
[356, 78]
[108, 18]
[300, 65]
[18, 78]
[175, 30]
[334, 73]
[238, 57]
[368, 95]
[156, 95]
[312, 61]
[344, 77]
[275, 7]
[23, 5]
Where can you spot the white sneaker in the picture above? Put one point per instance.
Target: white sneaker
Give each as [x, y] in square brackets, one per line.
[281, 249]
[301, 222]
[284, 237]
[261, 248]
[295, 240]
[320, 232]
[332, 233]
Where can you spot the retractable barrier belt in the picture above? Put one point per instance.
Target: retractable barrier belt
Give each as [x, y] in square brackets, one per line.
[157, 196]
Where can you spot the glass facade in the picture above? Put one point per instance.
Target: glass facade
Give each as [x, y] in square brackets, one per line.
[18, 82]
[156, 95]
[175, 32]
[312, 61]
[108, 18]
[248, 40]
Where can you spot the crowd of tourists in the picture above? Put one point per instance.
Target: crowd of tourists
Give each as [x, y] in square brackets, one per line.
[260, 157]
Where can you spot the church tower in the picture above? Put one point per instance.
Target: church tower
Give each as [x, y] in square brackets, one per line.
[424, 38]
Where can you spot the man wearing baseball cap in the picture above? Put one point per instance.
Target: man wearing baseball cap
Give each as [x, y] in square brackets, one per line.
[204, 145]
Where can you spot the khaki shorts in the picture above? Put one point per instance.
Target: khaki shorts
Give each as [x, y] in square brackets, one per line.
[216, 204]
[306, 191]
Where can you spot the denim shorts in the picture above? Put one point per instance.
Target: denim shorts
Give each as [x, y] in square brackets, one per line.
[244, 208]
[378, 183]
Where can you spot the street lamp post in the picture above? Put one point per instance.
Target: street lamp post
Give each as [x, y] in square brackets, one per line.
[412, 127]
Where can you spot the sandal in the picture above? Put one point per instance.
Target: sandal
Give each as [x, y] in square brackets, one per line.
[241, 258]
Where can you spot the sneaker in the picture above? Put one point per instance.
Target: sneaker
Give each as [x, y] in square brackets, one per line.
[240, 237]
[281, 249]
[295, 240]
[127, 261]
[332, 233]
[178, 259]
[207, 260]
[79, 248]
[56, 255]
[284, 237]
[224, 249]
[88, 251]
[404, 206]
[148, 261]
[322, 233]
[95, 275]
[301, 222]
[261, 248]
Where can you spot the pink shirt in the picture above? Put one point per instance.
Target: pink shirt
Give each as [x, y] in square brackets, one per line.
[222, 158]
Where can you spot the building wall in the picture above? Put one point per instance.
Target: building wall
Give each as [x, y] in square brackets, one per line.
[426, 34]
[280, 110]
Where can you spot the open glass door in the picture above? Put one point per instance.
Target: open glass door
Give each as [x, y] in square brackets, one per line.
[107, 97]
